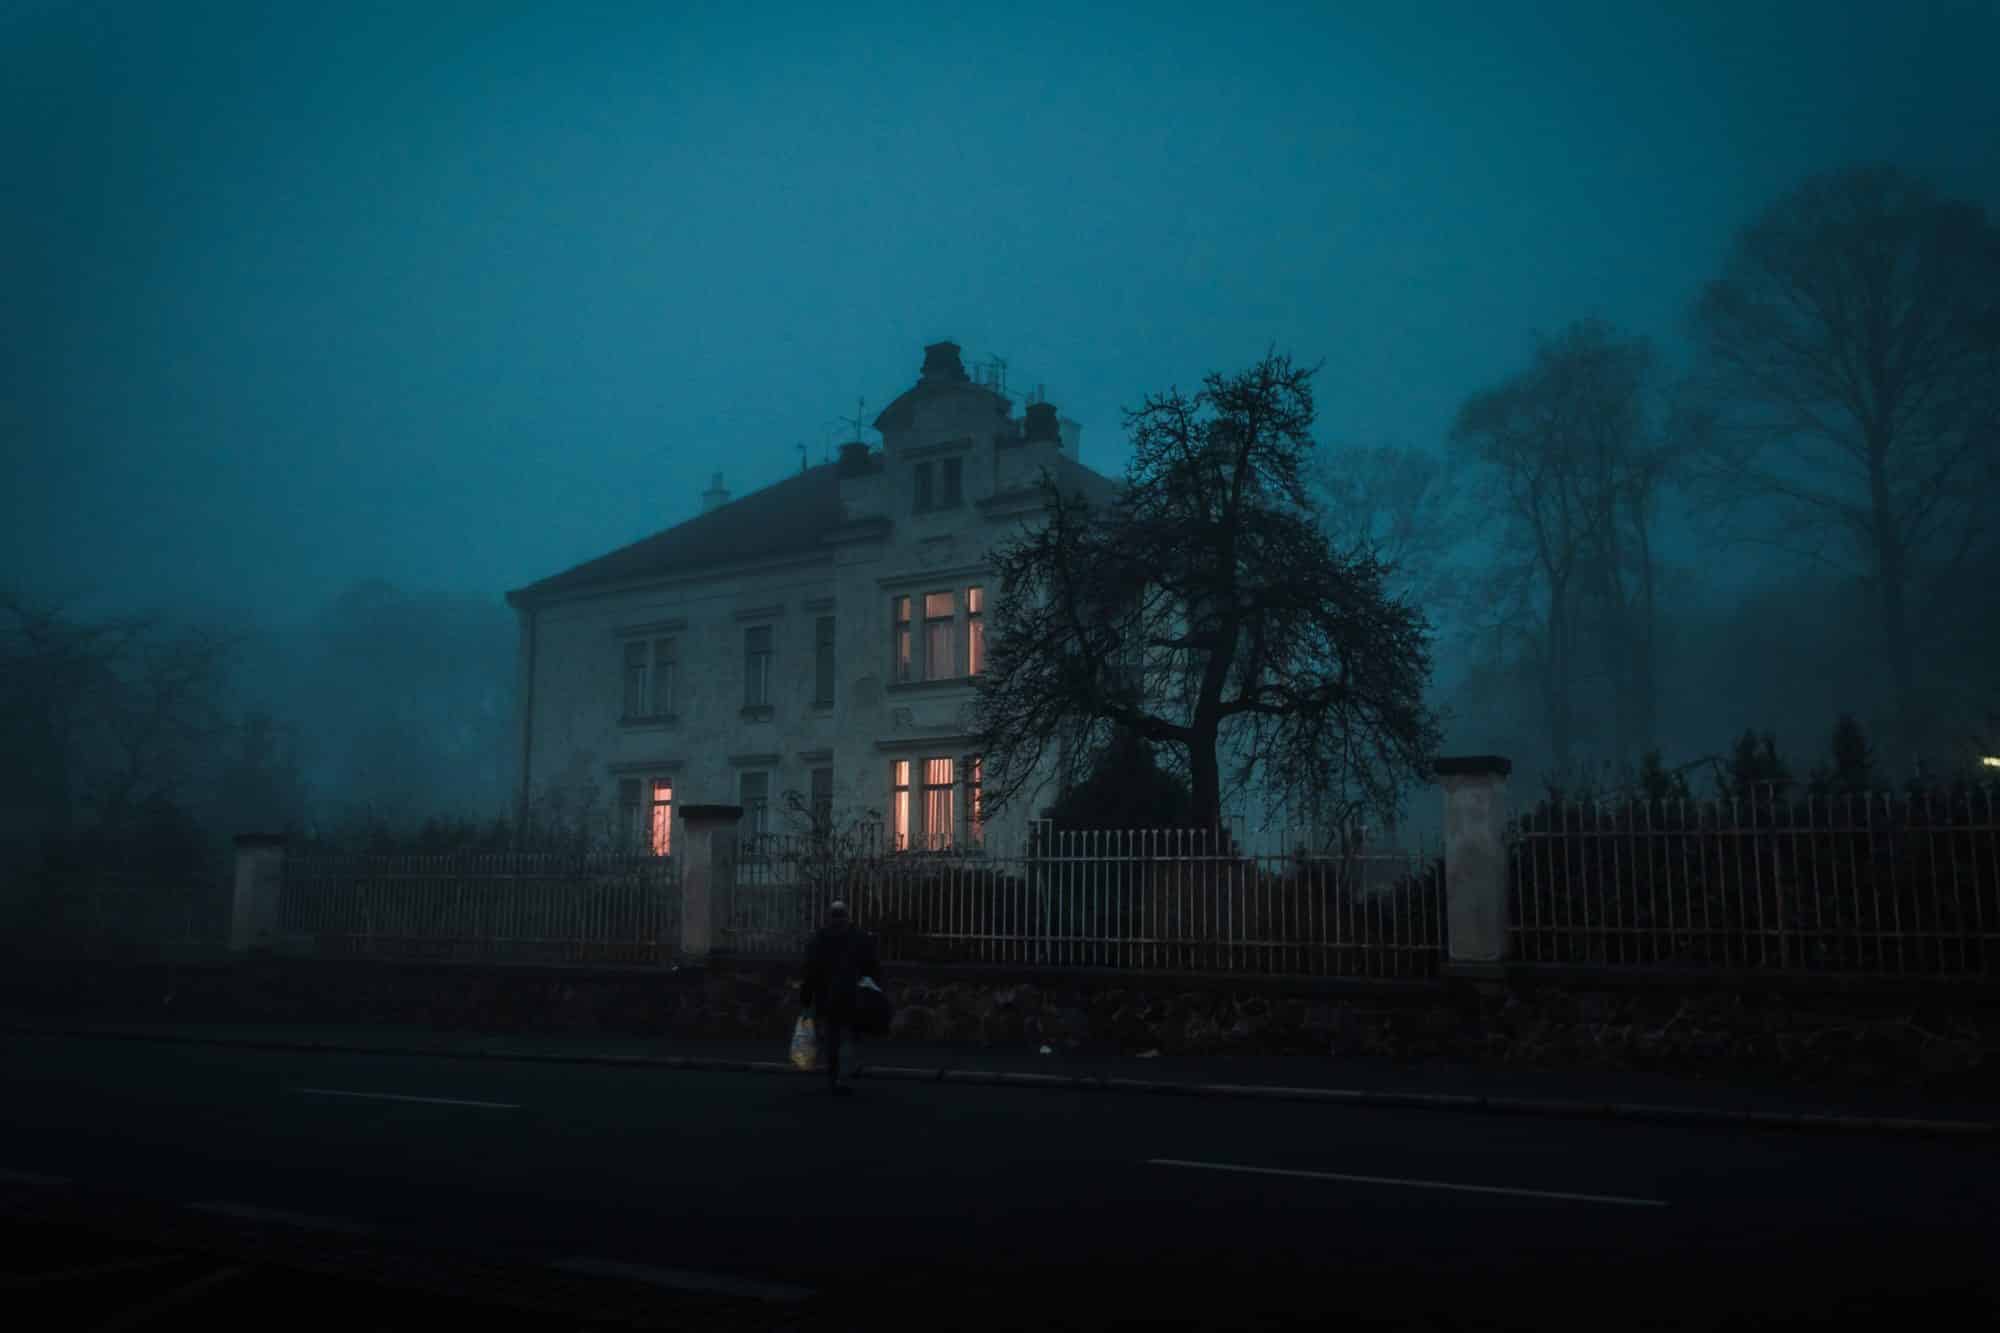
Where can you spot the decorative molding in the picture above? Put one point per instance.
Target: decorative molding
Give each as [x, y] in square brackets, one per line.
[816, 756]
[771, 612]
[935, 746]
[642, 767]
[860, 530]
[661, 722]
[818, 604]
[649, 628]
[757, 712]
[943, 448]
[931, 577]
[942, 686]
[770, 760]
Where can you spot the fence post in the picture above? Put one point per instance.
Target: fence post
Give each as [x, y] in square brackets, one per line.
[260, 872]
[708, 878]
[1475, 860]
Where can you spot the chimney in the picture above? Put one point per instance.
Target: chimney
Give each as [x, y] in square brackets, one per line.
[1041, 426]
[942, 364]
[853, 459]
[715, 496]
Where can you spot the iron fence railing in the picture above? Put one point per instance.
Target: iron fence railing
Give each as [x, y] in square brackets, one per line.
[534, 907]
[1869, 884]
[1176, 900]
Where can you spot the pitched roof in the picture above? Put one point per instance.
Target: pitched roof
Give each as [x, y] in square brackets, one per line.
[790, 517]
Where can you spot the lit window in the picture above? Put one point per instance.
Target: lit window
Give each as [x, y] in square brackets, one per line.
[975, 815]
[938, 614]
[662, 829]
[975, 631]
[646, 814]
[899, 806]
[938, 824]
[902, 638]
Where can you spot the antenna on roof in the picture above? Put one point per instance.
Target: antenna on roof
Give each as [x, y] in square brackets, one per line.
[858, 421]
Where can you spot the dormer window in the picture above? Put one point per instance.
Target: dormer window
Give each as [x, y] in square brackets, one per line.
[954, 484]
[924, 498]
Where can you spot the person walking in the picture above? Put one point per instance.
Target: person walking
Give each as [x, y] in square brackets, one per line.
[839, 956]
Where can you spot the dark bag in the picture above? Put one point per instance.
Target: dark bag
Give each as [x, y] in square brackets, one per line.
[872, 1010]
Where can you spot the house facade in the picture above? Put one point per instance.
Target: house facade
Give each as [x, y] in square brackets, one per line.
[818, 636]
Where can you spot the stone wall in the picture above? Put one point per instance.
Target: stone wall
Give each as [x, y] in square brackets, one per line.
[1945, 1038]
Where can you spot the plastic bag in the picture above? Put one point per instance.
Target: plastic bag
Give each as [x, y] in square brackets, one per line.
[805, 1044]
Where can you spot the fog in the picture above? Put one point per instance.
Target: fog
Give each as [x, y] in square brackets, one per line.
[327, 326]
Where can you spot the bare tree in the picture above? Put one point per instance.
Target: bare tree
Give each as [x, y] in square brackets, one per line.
[1578, 463]
[1205, 608]
[1853, 348]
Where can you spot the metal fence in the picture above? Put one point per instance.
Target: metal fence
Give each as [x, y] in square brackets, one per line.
[1165, 899]
[1888, 884]
[530, 907]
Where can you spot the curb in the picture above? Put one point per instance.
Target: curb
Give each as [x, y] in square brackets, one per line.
[1358, 1097]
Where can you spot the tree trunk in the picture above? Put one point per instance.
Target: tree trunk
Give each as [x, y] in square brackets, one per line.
[1206, 770]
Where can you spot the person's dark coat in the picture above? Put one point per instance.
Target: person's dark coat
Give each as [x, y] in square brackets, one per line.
[836, 960]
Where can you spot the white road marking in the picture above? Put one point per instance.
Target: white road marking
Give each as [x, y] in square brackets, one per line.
[1413, 1184]
[32, 1178]
[682, 1279]
[252, 1213]
[399, 1097]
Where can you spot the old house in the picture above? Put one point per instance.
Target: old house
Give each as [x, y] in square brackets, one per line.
[819, 635]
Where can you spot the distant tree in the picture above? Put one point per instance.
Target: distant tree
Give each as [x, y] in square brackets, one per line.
[1406, 507]
[1205, 609]
[261, 785]
[1851, 766]
[161, 720]
[1579, 446]
[1754, 766]
[1852, 346]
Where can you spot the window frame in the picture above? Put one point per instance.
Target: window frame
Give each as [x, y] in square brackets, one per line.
[926, 494]
[949, 623]
[756, 812]
[658, 661]
[639, 829]
[902, 645]
[975, 629]
[759, 666]
[951, 485]
[824, 661]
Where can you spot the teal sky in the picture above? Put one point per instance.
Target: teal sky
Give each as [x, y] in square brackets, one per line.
[461, 295]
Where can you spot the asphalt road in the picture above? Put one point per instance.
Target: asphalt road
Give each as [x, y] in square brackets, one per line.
[955, 1206]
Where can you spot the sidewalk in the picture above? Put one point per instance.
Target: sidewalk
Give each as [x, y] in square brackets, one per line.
[1350, 1081]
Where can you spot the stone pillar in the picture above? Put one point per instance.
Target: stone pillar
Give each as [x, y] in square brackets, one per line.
[708, 878]
[260, 871]
[1475, 861]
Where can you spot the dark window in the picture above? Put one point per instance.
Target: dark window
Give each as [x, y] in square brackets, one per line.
[939, 615]
[823, 661]
[755, 789]
[923, 487]
[757, 666]
[954, 482]
[635, 680]
[822, 799]
[663, 677]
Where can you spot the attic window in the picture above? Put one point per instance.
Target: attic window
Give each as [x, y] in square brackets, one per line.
[924, 498]
[954, 483]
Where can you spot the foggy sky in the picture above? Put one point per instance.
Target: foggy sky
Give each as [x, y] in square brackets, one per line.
[459, 296]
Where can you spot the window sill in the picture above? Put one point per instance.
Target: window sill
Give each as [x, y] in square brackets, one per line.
[657, 722]
[758, 712]
[923, 686]
[821, 708]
